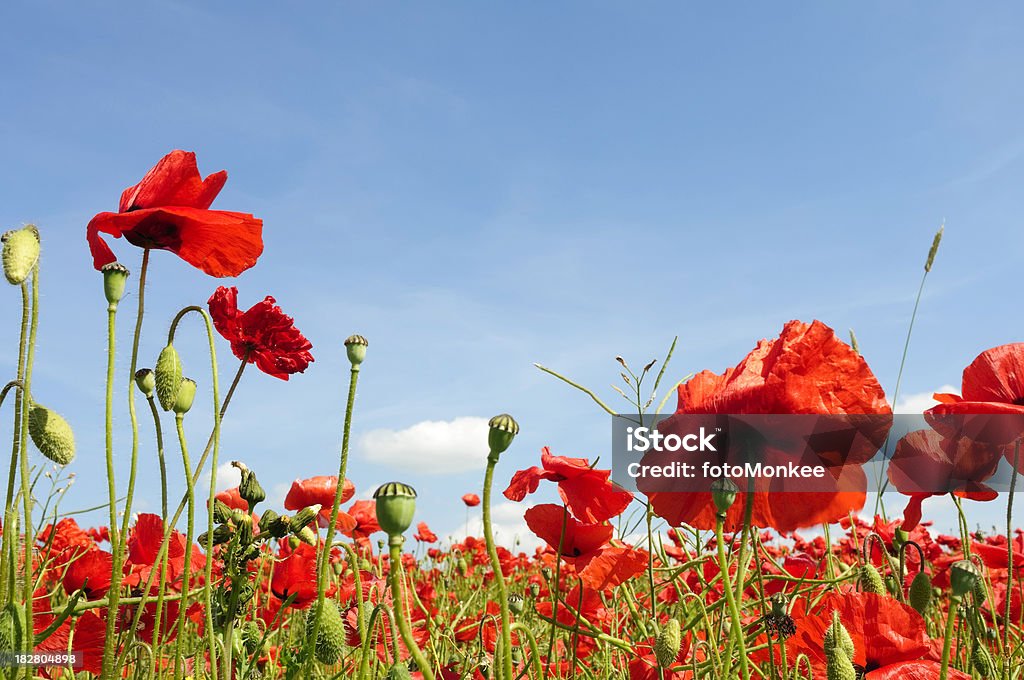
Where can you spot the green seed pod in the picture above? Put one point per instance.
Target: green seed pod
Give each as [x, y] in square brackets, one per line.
[723, 494]
[330, 635]
[839, 666]
[20, 253]
[982, 662]
[667, 644]
[503, 429]
[396, 506]
[294, 543]
[870, 580]
[185, 397]
[534, 590]
[51, 434]
[962, 577]
[515, 603]
[355, 347]
[399, 671]
[145, 380]
[838, 638]
[115, 276]
[921, 592]
[168, 377]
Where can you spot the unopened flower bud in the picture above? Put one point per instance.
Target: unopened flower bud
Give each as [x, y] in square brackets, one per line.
[503, 429]
[462, 566]
[145, 380]
[396, 506]
[20, 253]
[667, 644]
[962, 577]
[221, 511]
[307, 536]
[294, 543]
[249, 488]
[534, 590]
[870, 580]
[399, 671]
[920, 596]
[185, 396]
[167, 376]
[115, 275]
[839, 666]
[330, 632]
[51, 434]
[982, 662]
[303, 518]
[723, 494]
[837, 638]
[355, 347]
[277, 525]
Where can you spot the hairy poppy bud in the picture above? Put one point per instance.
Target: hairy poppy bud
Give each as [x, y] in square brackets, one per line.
[355, 347]
[293, 543]
[667, 644]
[515, 603]
[167, 376]
[185, 396]
[252, 636]
[534, 590]
[20, 253]
[396, 506]
[303, 518]
[145, 380]
[51, 434]
[982, 662]
[276, 525]
[462, 566]
[920, 592]
[8, 633]
[399, 671]
[115, 275]
[723, 494]
[249, 488]
[330, 634]
[838, 638]
[503, 429]
[870, 580]
[962, 577]
[839, 666]
[307, 536]
[221, 511]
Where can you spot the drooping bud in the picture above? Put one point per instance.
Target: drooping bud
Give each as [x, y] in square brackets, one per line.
[145, 380]
[20, 253]
[396, 506]
[462, 566]
[185, 396]
[723, 494]
[870, 580]
[304, 518]
[962, 577]
[982, 662]
[51, 434]
[920, 592]
[167, 376]
[330, 634]
[115, 275]
[503, 429]
[249, 488]
[355, 347]
[667, 644]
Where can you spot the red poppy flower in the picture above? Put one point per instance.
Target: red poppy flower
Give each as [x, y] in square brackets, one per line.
[586, 491]
[90, 573]
[471, 500]
[169, 210]
[926, 464]
[319, 490]
[808, 371]
[144, 545]
[233, 499]
[263, 335]
[296, 575]
[424, 534]
[362, 519]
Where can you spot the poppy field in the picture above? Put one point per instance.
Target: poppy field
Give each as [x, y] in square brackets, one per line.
[722, 581]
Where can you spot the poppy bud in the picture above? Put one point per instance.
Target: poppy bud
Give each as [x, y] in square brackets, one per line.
[534, 590]
[51, 434]
[185, 396]
[221, 512]
[307, 536]
[515, 603]
[900, 537]
[399, 671]
[145, 380]
[330, 634]
[920, 592]
[462, 566]
[396, 506]
[303, 518]
[839, 666]
[981, 660]
[355, 347]
[979, 593]
[20, 253]
[7, 626]
[276, 525]
[723, 494]
[167, 376]
[249, 488]
[252, 636]
[870, 580]
[667, 644]
[837, 638]
[221, 534]
[962, 577]
[293, 543]
[503, 430]
[115, 275]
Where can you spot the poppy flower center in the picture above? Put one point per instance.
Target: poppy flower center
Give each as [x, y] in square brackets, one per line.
[153, 232]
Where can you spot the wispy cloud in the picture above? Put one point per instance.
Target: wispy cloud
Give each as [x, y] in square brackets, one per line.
[430, 446]
[921, 401]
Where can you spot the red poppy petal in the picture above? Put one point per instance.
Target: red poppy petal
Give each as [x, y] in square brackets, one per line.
[174, 180]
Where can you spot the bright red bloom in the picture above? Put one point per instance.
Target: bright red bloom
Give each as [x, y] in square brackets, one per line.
[586, 491]
[362, 516]
[319, 490]
[807, 370]
[144, 543]
[296, 575]
[169, 210]
[471, 500]
[91, 573]
[263, 335]
[424, 534]
[233, 499]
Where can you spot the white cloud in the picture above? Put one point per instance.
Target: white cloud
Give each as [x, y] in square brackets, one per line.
[227, 477]
[430, 446]
[508, 525]
[919, 402]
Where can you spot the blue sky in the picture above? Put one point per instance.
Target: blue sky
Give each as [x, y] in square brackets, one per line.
[479, 187]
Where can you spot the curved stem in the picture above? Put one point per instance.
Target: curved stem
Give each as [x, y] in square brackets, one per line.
[160, 457]
[398, 594]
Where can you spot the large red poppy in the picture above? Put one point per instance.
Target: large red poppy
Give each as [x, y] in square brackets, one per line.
[586, 491]
[169, 210]
[263, 335]
[806, 371]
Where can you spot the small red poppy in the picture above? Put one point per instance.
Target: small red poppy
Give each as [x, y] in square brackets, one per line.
[318, 490]
[586, 491]
[471, 500]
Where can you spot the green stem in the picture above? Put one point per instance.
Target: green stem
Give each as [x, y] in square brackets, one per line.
[26, 485]
[110, 639]
[179, 668]
[160, 457]
[947, 644]
[736, 627]
[397, 593]
[499, 578]
[1009, 549]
